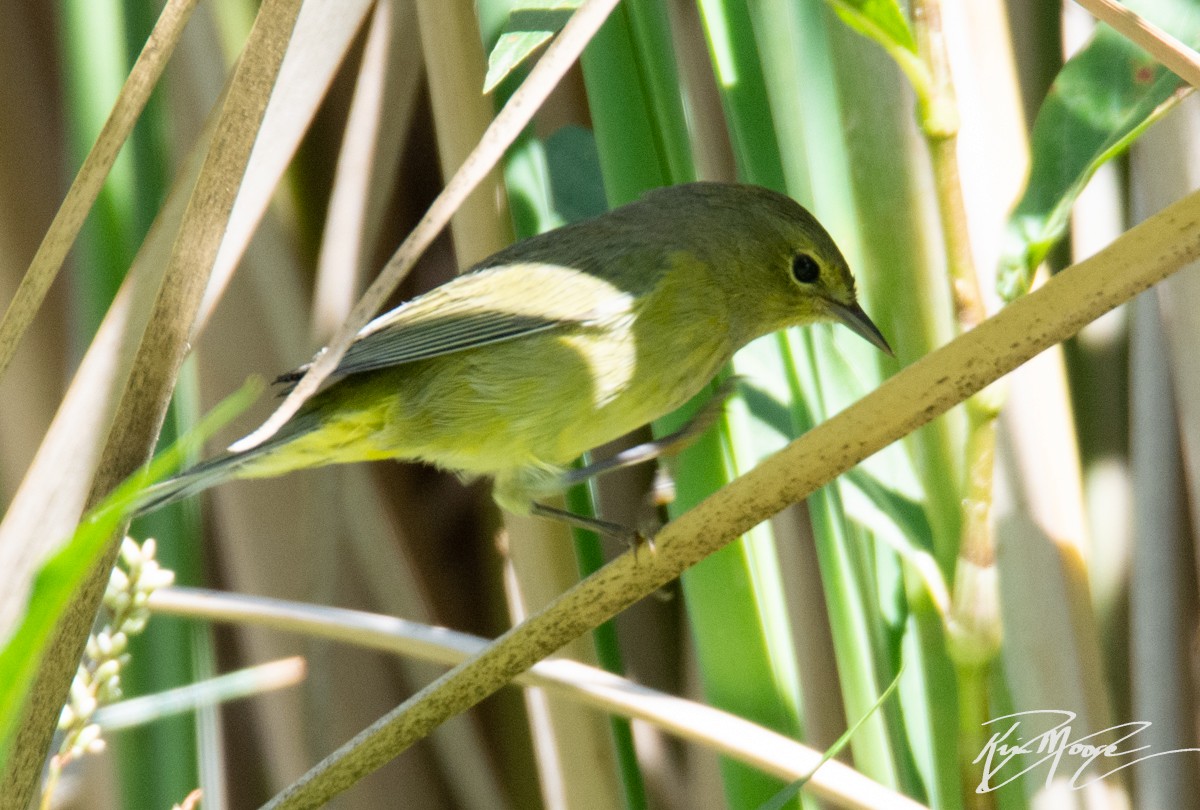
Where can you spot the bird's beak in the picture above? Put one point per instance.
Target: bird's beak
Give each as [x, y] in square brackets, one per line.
[853, 317]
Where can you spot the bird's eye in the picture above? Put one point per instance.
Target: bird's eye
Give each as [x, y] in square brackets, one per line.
[805, 268]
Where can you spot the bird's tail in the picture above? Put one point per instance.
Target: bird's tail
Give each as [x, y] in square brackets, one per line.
[189, 482]
[217, 470]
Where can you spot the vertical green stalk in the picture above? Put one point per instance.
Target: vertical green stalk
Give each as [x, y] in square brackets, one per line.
[95, 62]
[900, 250]
[739, 74]
[627, 98]
[824, 167]
[163, 657]
[100, 40]
[827, 372]
[975, 612]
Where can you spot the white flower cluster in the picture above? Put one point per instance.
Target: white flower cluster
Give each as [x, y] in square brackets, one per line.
[98, 681]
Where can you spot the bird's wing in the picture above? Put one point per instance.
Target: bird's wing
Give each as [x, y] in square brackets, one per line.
[487, 306]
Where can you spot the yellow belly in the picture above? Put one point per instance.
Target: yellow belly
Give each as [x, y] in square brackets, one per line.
[528, 405]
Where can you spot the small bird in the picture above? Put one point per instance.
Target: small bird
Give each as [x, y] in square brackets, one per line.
[561, 343]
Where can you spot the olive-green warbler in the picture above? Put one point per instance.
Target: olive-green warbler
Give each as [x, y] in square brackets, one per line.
[563, 342]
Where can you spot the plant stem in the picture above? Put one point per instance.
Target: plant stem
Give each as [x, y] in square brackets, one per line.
[973, 712]
[974, 620]
[939, 122]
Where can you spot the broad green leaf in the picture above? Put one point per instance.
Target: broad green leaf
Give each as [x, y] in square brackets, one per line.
[1101, 101]
[530, 25]
[575, 179]
[883, 22]
[880, 20]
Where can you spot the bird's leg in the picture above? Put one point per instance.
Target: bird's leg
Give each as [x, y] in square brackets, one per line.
[648, 451]
[604, 528]
[666, 446]
[517, 491]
